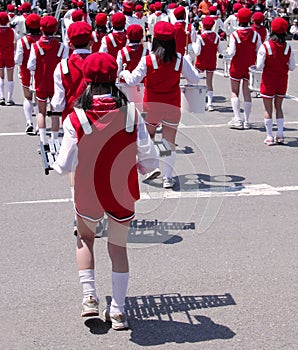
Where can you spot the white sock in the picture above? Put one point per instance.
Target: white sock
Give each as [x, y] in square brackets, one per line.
[54, 135]
[247, 111]
[72, 192]
[1, 88]
[28, 108]
[119, 287]
[87, 281]
[43, 135]
[280, 126]
[10, 86]
[235, 102]
[169, 163]
[268, 125]
[209, 97]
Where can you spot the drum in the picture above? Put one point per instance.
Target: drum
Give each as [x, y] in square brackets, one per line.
[255, 77]
[193, 98]
[226, 65]
[133, 93]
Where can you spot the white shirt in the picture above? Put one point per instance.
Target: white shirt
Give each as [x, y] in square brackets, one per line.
[197, 46]
[261, 57]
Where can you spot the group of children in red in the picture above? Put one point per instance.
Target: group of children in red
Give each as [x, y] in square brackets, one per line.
[106, 141]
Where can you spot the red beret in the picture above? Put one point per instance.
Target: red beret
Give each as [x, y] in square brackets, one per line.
[77, 15]
[152, 7]
[80, 4]
[3, 18]
[33, 21]
[101, 19]
[100, 67]
[258, 17]
[48, 24]
[213, 9]
[128, 6]
[79, 33]
[26, 7]
[279, 25]
[244, 15]
[139, 8]
[134, 32]
[208, 22]
[10, 8]
[179, 12]
[172, 6]
[157, 5]
[237, 7]
[74, 2]
[164, 31]
[118, 20]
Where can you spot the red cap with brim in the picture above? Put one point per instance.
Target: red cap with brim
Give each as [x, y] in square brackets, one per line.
[3, 18]
[244, 15]
[134, 32]
[158, 6]
[10, 8]
[79, 33]
[48, 24]
[33, 21]
[128, 6]
[179, 12]
[237, 7]
[258, 17]
[208, 22]
[101, 19]
[279, 25]
[100, 67]
[77, 15]
[118, 20]
[26, 7]
[164, 31]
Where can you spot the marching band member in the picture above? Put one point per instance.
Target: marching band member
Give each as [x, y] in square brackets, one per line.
[13, 19]
[21, 58]
[231, 23]
[25, 10]
[243, 47]
[105, 145]
[205, 48]
[258, 25]
[162, 97]
[116, 40]
[7, 42]
[276, 58]
[100, 31]
[45, 54]
[127, 9]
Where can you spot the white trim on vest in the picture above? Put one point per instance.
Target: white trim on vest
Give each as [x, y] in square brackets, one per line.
[236, 37]
[266, 44]
[26, 42]
[254, 38]
[94, 37]
[126, 54]
[178, 62]
[64, 66]
[40, 49]
[216, 38]
[144, 51]
[83, 120]
[154, 61]
[61, 48]
[112, 39]
[130, 117]
[287, 48]
[201, 40]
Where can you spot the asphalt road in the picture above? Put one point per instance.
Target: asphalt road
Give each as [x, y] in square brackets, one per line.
[213, 262]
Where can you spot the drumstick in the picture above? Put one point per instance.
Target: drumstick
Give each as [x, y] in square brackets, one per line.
[124, 66]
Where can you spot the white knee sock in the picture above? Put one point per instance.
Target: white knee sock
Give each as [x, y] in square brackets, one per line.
[10, 86]
[169, 163]
[247, 111]
[268, 125]
[28, 108]
[43, 135]
[280, 127]
[1, 88]
[119, 287]
[209, 97]
[235, 102]
[87, 281]
[54, 135]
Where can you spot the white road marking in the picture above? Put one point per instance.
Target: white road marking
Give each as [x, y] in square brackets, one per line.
[12, 133]
[227, 191]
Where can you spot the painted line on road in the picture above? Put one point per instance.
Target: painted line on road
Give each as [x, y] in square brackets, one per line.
[224, 191]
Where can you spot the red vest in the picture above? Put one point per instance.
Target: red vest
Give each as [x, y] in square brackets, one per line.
[27, 41]
[106, 174]
[115, 42]
[72, 80]
[6, 40]
[48, 53]
[162, 82]
[132, 57]
[245, 56]
[207, 57]
[181, 36]
[97, 37]
[261, 30]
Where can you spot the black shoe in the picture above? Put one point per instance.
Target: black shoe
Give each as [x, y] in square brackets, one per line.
[2, 101]
[30, 129]
[10, 103]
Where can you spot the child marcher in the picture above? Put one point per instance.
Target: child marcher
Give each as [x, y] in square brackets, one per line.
[21, 59]
[276, 58]
[162, 96]
[205, 48]
[243, 47]
[115, 41]
[7, 41]
[45, 54]
[100, 30]
[258, 25]
[105, 158]
[134, 51]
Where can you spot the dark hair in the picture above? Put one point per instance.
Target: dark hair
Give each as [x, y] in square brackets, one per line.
[119, 28]
[244, 24]
[85, 101]
[33, 31]
[81, 46]
[164, 50]
[101, 29]
[278, 37]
